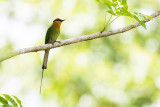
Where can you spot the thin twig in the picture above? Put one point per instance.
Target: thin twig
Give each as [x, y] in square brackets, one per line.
[41, 80]
[112, 21]
[105, 26]
[104, 23]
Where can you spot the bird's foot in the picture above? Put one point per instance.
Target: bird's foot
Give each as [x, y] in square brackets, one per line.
[58, 41]
[52, 43]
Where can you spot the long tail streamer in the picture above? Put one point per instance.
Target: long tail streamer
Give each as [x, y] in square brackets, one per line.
[41, 81]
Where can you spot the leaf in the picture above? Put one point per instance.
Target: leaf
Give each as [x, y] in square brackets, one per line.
[126, 13]
[98, 1]
[140, 16]
[9, 98]
[114, 0]
[110, 8]
[111, 12]
[149, 17]
[140, 22]
[124, 1]
[125, 6]
[145, 18]
[3, 101]
[19, 102]
[108, 2]
[7, 105]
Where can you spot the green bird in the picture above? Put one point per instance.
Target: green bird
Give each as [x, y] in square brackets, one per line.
[51, 36]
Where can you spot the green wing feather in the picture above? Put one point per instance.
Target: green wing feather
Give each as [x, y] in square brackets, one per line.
[51, 35]
[48, 34]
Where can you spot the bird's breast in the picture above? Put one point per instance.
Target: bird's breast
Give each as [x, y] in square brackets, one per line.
[54, 35]
[56, 25]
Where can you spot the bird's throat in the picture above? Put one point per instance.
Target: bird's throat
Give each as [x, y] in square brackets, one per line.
[56, 25]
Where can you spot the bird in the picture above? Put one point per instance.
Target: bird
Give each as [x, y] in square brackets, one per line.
[51, 36]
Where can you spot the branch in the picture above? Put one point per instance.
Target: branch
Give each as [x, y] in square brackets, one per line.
[74, 40]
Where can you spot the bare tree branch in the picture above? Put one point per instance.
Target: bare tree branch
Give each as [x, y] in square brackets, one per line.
[74, 40]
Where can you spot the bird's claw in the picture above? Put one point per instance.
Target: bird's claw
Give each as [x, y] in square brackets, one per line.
[56, 41]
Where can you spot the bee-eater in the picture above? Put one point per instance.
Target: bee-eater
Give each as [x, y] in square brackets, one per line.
[51, 36]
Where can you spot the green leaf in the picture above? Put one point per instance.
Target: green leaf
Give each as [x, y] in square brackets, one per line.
[149, 17]
[124, 1]
[145, 18]
[7, 105]
[19, 102]
[140, 16]
[140, 22]
[108, 2]
[9, 98]
[3, 101]
[114, 0]
[98, 1]
[126, 13]
[111, 12]
[110, 8]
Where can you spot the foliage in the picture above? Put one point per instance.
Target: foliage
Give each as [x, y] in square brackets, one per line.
[120, 8]
[9, 101]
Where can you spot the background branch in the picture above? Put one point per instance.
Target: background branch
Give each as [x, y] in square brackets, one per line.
[74, 40]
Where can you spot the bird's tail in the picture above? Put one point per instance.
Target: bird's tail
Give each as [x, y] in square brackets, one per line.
[44, 66]
[45, 59]
[41, 80]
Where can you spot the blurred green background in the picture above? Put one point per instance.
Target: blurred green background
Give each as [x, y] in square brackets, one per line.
[118, 71]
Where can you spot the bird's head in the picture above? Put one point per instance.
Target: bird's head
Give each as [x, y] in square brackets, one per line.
[57, 23]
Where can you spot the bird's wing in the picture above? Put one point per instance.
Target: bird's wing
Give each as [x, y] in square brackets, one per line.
[48, 35]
